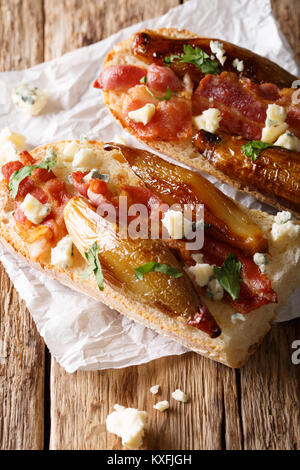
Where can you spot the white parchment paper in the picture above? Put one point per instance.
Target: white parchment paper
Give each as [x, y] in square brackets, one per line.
[80, 332]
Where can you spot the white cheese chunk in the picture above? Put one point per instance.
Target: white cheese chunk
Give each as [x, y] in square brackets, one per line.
[144, 114]
[154, 389]
[86, 158]
[30, 99]
[129, 424]
[283, 231]
[179, 395]
[275, 114]
[284, 226]
[10, 145]
[283, 216]
[261, 259]
[235, 317]
[238, 64]
[214, 290]
[6, 135]
[271, 133]
[217, 48]
[70, 150]
[209, 120]
[34, 210]
[162, 405]
[288, 141]
[176, 224]
[201, 273]
[275, 123]
[62, 254]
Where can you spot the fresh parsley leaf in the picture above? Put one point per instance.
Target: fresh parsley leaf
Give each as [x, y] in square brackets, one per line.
[166, 96]
[229, 275]
[95, 266]
[27, 170]
[253, 148]
[156, 267]
[197, 57]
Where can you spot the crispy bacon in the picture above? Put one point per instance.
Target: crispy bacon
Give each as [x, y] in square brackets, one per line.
[79, 184]
[256, 289]
[172, 118]
[119, 77]
[159, 78]
[242, 104]
[204, 321]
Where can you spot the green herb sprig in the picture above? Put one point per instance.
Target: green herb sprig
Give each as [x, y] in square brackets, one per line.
[253, 148]
[229, 275]
[18, 176]
[195, 56]
[95, 266]
[153, 266]
[166, 97]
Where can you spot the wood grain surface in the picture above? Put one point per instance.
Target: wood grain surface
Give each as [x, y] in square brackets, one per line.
[254, 408]
[21, 348]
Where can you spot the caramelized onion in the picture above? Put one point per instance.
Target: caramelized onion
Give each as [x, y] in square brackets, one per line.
[175, 184]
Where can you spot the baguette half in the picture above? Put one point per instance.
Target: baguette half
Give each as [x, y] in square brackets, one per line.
[180, 150]
[240, 336]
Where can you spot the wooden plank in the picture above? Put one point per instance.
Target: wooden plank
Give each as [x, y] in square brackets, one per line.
[270, 393]
[75, 23]
[81, 402]
[287, 12]
[21, 348]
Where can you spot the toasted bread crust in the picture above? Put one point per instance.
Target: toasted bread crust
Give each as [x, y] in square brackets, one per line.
[238, 340]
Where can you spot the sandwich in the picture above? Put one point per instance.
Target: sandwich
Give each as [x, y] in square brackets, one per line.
[212, 105]
[61, 212]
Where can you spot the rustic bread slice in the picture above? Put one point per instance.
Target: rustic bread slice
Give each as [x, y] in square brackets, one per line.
[240, 336]
[181, 150]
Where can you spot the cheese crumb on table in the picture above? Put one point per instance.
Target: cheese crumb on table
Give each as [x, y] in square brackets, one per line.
[162, 405]
[154, 389]
[29, 99]
[129, 424]
[179, 395]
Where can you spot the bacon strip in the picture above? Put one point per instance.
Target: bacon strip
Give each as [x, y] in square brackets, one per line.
[256, 289]
[242, 104]
[172, 119]
[119, 77]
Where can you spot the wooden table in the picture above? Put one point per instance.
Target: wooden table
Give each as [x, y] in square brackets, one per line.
[256, 407]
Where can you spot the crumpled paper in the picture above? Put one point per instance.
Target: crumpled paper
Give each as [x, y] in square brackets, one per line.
[86, 334]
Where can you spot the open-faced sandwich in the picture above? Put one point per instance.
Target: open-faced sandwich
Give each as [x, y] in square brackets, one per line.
[212, 105]
[218, 300]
